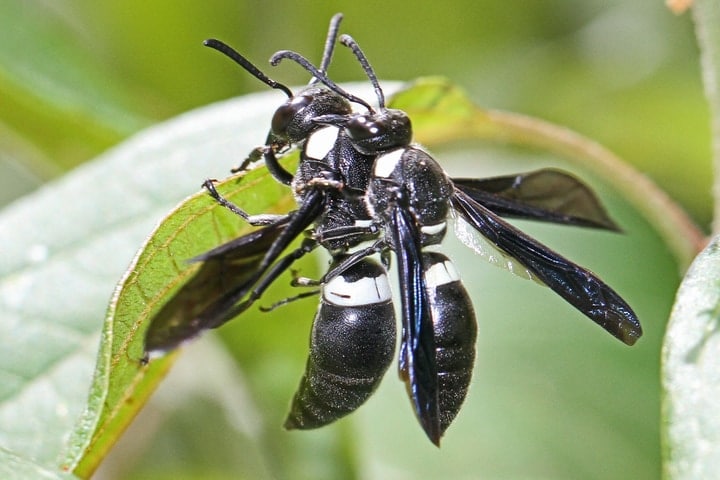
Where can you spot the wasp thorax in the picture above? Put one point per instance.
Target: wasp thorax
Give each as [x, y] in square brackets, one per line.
[293, 120]
[376, 132]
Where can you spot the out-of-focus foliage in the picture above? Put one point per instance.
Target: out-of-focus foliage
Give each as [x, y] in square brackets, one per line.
[76, 76]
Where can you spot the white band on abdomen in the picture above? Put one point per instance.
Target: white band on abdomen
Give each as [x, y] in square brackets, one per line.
[366, 291]
[441, 273]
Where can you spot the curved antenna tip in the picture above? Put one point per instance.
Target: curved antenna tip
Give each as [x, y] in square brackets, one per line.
[303, 62]
[234, 55]
[347, 41]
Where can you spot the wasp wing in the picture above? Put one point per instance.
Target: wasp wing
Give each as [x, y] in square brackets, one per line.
[468, 235]
[578, 286]
[255, 243]
[227, 274]
[545, 195]
[418, 368]
[222, 271]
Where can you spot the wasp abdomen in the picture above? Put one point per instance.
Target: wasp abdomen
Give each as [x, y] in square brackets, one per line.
[454, 331]
[351, 346]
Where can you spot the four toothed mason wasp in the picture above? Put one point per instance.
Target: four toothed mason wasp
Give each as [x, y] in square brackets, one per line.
[364, 190]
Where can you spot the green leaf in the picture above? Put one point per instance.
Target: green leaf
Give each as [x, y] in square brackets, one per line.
[155, 276]
[13, 467]
[64, 249]
[122, 384]
[691, 350]
[691, 362]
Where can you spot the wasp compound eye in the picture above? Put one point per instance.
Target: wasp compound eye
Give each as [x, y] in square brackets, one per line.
[376, 132]
[287, 113]
[364, 127]
[295, 119]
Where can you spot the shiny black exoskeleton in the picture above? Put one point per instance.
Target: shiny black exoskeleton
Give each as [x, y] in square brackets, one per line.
[292, 122]
[361, 179]
[409, 197]
[329, 186]
[351, 345]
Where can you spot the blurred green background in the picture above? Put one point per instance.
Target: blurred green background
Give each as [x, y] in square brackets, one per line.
[77, 77]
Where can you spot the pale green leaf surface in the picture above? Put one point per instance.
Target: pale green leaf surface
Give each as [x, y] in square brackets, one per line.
[14, 467]
[66, 246]
[196, 225]
[691, 372]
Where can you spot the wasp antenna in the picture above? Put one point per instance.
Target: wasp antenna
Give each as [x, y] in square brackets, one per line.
[329, 44]
[233, 54]
[349, 42]
[313, 70]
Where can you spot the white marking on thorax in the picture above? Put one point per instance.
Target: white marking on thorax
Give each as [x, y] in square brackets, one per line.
[433, 229]
[320, 142]
[365, 291]
[441, 274]
[386, 163]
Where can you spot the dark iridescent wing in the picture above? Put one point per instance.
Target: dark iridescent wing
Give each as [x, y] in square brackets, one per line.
[228, 273]
[224, 269]
[576, 285]
[418, 368]
[546, 195]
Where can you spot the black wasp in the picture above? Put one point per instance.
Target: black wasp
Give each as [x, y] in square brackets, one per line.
[366, 190]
